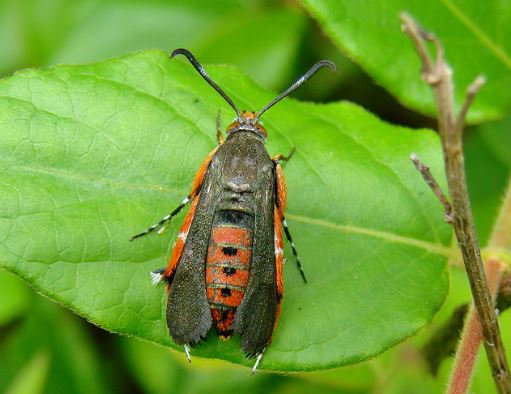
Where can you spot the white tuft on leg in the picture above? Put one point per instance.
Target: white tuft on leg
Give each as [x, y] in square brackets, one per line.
[258, 360]
[182, 236]
[156, 277]
[187, 352]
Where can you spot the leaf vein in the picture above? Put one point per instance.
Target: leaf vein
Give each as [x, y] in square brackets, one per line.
[431, 247]
[390, 170]
[495, 49]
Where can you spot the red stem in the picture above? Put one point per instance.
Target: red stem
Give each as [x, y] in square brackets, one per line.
[463, 369]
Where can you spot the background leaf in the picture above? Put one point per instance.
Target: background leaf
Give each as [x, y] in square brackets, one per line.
[477, 40]
[251, 34]
[488, 165]
[149, 362]
[50, 351]
[80, 177]
[15, 297]
[31, 378]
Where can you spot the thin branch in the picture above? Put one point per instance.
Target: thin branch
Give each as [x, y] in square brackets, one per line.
[418, 36]
[466, 354]
[471, 93]
[439, 77]
[444, 340]
[433, 184]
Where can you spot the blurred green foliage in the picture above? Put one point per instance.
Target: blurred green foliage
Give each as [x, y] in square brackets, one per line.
[44, 348]
[477, 40]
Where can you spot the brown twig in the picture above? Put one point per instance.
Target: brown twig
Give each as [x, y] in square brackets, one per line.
[466, 354]
[433, 184]
[438, 75]
[444, 340]
[471, 93]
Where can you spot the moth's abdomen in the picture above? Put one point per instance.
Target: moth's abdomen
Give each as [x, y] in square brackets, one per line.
[228, 266]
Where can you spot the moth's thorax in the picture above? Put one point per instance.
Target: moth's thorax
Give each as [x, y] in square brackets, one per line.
[242, 166]
[247, 121]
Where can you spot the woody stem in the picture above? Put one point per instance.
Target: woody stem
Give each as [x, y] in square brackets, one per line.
[439, 76]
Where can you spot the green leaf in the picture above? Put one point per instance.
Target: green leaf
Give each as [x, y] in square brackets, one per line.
[260, 39]
[488, 165]
[411, 365]
[475, 35]
[15, 297]
[227, 31]
[148, 363]
[50, 351]
[32, 377]
[94, 154]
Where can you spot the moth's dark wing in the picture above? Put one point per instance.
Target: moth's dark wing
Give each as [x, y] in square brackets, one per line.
[255, 317]
[188, 312]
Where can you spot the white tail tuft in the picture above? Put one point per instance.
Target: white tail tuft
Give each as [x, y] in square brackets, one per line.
[156, 277]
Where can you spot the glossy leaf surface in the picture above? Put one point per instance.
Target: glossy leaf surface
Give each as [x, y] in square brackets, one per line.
[91, 155]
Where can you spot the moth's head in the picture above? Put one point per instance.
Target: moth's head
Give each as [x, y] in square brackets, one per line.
[247, 121]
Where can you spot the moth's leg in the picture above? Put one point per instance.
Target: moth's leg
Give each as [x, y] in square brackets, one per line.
[278, 158]
[187, 352]
[196, 187]
[219, 135]
[258, 360]
[295, 253]
[165, 274]
[157, 276]
[163, 221]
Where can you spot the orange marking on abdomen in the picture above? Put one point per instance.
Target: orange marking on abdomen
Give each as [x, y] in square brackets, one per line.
[234, 236]
[227, 273]
[229, 254]
[224, 296]
[223, 319]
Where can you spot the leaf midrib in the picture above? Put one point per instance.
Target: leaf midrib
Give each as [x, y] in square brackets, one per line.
[431, 247]
[435, 248]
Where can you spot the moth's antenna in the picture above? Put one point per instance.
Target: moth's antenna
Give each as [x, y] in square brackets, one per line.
[299, 82]
[204, 74]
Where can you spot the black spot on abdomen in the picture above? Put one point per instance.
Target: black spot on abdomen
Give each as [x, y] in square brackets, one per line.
[225, 292]
[229, 271]
[229, 250]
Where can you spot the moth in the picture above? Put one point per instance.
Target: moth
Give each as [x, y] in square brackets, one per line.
[226, 265]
